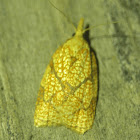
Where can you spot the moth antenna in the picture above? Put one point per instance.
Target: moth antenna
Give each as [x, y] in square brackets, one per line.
[98, 26]
[62, 14]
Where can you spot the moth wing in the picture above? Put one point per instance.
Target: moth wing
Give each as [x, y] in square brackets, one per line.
[45, 114]
[82, 120]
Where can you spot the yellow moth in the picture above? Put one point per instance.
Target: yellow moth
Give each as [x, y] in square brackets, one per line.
[68, 90]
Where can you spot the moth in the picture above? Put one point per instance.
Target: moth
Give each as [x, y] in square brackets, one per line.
[68, 90]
